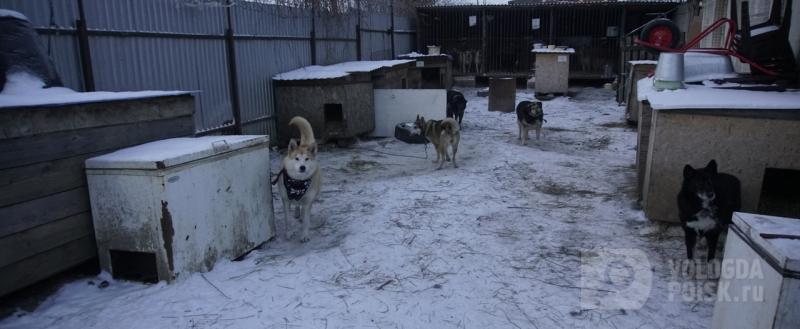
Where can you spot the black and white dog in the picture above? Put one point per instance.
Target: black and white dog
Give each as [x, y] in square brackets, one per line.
[706, 204]
[530, 115]
[456, 103]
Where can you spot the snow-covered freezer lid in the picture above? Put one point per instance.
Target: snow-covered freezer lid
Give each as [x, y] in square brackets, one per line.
[172, 152]
[778, 237]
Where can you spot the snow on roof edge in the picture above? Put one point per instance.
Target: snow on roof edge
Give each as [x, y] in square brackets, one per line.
[25, 101]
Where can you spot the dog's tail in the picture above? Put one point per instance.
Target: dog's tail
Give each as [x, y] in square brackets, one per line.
[306, 133]
[450, 126]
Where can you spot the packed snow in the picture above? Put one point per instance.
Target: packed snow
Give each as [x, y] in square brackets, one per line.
[23, 89]
[495, 243]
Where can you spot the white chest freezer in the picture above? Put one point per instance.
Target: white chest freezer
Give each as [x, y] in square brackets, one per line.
[759, 285]
[171, 207]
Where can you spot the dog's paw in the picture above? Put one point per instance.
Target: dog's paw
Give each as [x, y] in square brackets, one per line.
[304, 239]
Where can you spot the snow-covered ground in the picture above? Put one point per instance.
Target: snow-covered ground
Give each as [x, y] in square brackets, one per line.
[496, 243]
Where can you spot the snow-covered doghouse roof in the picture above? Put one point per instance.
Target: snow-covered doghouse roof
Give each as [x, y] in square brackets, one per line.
[340, 70]
[724, 97]
[25, 90]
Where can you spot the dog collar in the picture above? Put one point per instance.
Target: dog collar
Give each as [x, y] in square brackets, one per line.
[295, 188]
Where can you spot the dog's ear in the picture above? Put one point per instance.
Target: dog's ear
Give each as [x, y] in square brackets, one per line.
[292, 145]
[711, 167]
[688, 171]
[313, 149]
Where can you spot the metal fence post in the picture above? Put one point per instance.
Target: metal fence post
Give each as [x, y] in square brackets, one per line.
[233, 76]
[313, 36]
[391, 27]
[85, 50]
[358, 30]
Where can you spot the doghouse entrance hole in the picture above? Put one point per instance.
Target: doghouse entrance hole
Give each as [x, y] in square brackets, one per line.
[333, 113]
[134, 265]
[780, 193]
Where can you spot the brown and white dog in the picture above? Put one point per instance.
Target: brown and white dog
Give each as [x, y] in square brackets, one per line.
[441, 133]
[529, 116]
[300, 178]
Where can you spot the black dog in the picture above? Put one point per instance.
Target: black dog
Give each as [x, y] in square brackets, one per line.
[530, 115]
[706, 204]
[456, 103]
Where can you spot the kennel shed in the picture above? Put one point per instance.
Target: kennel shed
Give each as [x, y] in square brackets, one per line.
[751, 134]
[45, 218]
[434, 71]
[492, 40]
[336, 99]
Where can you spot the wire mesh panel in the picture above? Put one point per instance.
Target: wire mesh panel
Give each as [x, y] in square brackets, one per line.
[497, 39]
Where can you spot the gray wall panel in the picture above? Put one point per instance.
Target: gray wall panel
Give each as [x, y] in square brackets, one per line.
[170, 62]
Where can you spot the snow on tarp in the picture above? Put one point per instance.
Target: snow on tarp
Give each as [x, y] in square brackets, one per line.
[22, 89]
[552, 51]
[704, 97]
[334, 71]
[643, 62]
[763, 29]
[415, 54]
[14, 14]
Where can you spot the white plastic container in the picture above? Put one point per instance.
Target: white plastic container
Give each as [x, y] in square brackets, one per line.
[759, 285]
[434, 50]
[164, 209]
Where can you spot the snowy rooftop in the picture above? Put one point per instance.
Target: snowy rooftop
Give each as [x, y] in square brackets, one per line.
[24, 90]
[339, 70]
[705, 97]
[553, 51]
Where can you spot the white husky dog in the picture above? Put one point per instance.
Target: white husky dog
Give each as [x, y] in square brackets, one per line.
[300, 178]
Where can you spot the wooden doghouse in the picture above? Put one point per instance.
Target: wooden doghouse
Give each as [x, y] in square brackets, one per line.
[751, 134]
[336, 99]
[637, 70]
[435, 71]
[552, 70]
[44, 204]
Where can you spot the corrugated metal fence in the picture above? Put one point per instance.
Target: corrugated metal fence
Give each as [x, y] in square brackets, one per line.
[186, 44]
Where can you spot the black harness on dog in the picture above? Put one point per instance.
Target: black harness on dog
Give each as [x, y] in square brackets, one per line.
[295, 188]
